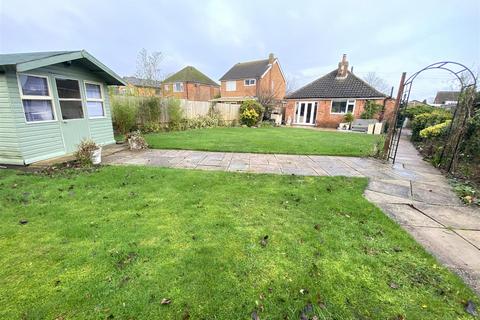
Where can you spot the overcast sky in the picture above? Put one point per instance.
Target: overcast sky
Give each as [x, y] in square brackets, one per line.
[308, 37]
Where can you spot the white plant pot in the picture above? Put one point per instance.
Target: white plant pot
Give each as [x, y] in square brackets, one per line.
[97, 156]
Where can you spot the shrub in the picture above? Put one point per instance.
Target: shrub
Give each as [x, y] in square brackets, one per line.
[349, 117]
[175, 115]
[123, 115]
[423, 120]
[149, 110]
[435, 130]
[84, 151]
[151, 127]
[136, 141]
[371, 109]
[411, 112]
[250, 112]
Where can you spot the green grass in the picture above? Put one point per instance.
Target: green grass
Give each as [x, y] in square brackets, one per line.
[267, 140]
[115, 242]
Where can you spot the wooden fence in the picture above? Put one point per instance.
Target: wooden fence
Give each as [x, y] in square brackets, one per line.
[191, 109]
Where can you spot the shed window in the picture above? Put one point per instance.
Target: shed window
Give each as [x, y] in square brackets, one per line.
[343, 106]
[249, 82]
[94, 100]
[36, 98]
[231, 85]
[69, 97]
[178, 87]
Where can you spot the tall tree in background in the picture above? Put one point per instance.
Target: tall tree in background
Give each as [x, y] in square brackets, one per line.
[148, 66]
[378, 83]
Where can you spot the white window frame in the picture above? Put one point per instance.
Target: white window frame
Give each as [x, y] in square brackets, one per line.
[175, 87]
[349, 102]
[232, 87]
[249, 82]
[28, 97]
[313, 112]
[87, 99]
[70, 99]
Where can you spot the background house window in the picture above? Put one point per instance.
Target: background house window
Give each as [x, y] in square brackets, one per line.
[342, 106]
[249, 82]
[69, 97]
[231, 85]
[165, 87]
[36, 98]
[178, 87]
[94, 100]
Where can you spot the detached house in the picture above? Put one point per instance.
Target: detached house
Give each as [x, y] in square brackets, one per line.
[190, 84]
[325, 101]
[247, 80]
[140, 87]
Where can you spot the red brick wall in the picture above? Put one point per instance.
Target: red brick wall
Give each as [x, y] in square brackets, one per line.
[263, 84]
[191, 91]
[326, 119]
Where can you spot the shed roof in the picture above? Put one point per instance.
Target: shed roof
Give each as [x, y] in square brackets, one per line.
[246, 70]
[33, 60]
[191, 74]
[331, 86]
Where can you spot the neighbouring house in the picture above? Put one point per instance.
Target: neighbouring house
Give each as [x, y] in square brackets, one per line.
[139, 87]
[50, 101]
[325, 101]
[413, 103]
[446, 99]
[190, 84]
[260, 79]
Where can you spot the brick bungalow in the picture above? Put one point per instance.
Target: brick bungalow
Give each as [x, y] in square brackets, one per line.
[140, 87]
[325, 101]
[190, 84]
[253, 79]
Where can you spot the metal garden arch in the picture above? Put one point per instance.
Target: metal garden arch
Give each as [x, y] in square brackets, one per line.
[467, 80]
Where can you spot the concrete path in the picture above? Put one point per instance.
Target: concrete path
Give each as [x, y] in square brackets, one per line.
[411, 192]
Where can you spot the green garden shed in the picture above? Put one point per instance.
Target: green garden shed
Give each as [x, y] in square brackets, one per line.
[50, 101]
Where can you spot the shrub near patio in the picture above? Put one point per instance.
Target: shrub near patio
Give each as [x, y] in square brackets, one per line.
[153, 243]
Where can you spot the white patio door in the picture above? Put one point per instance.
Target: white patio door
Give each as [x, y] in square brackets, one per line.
[305, 112]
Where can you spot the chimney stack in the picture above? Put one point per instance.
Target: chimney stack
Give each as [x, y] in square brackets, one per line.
[271, 58]
[342, 71]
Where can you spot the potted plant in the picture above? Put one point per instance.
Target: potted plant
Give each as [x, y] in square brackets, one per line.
[136, 141]
[349, 118]
[88, 152]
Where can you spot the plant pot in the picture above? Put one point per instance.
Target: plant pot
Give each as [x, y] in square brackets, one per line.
[96, 156]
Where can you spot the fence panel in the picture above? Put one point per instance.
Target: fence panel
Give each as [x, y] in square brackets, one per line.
[191, 109]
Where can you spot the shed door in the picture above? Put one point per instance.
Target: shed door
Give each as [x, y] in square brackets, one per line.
[73, 121]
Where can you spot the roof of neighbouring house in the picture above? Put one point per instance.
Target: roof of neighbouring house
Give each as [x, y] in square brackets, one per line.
[138, 82]
[443, 96]
[246, 70]
[32, 60]
[191, 74]
[330, 86]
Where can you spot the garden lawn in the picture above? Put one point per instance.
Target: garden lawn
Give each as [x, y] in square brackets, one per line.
[267, 140]
[113, 243]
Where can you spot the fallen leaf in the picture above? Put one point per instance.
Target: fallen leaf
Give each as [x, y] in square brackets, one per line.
[264, 241]
[470, 308]
[303, 316]
[255, 315]
[308, 308]
[23, 221]
[166, 301]
[393, 285]
[317, 226]
[303, 291]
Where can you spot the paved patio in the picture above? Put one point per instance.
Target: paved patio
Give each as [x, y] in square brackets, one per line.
[411, 192]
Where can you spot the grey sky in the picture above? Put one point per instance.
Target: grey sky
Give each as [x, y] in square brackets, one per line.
[309, 37]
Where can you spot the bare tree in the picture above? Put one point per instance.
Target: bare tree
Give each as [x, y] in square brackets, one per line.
[290, 85]
[270, 98]
[148, 66]
[378, 83]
